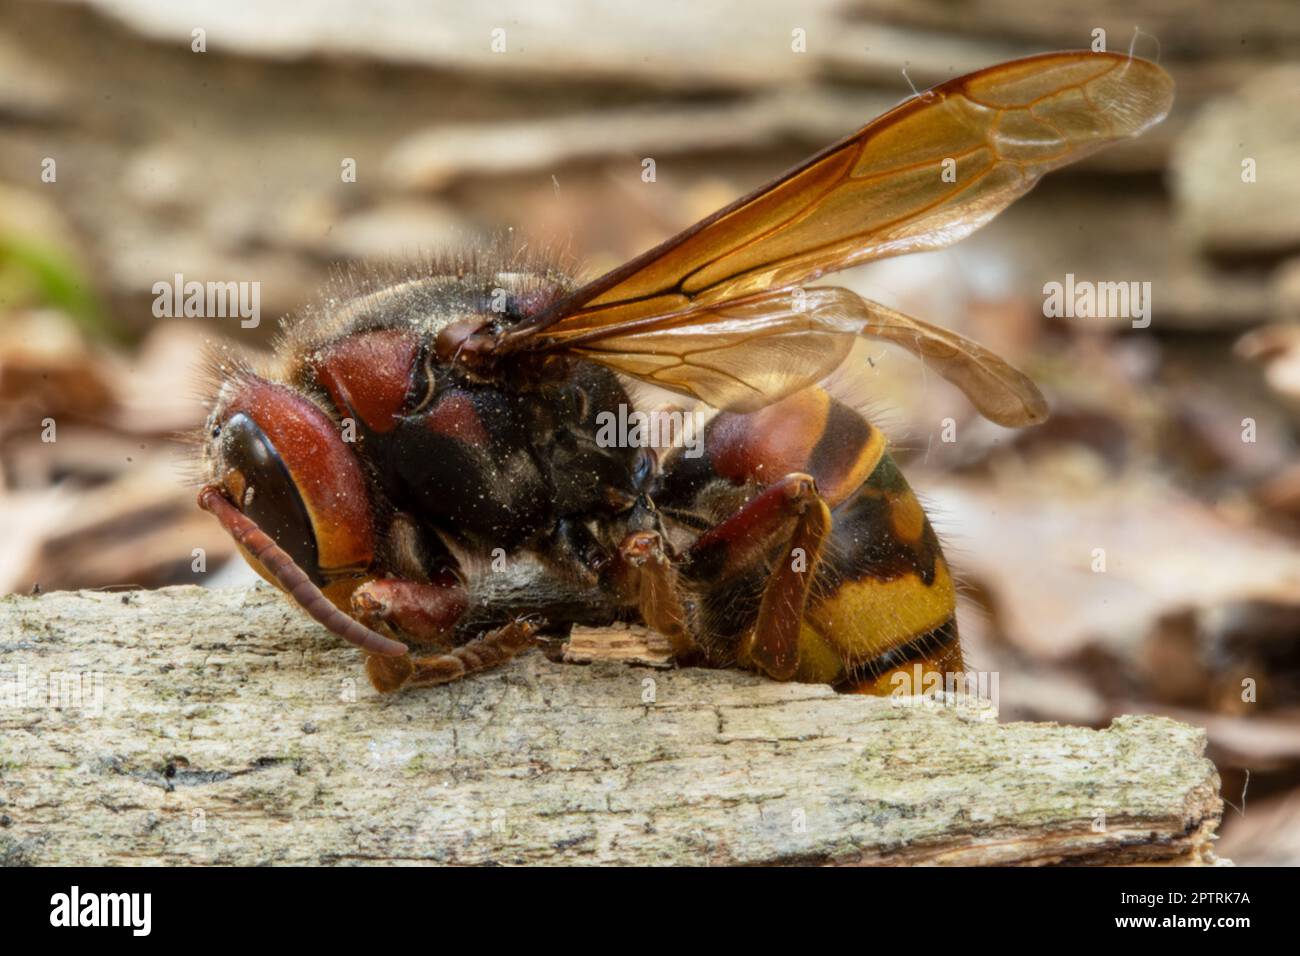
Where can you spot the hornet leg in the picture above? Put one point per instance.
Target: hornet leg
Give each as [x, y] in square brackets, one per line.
[792, 516]
[389, 674]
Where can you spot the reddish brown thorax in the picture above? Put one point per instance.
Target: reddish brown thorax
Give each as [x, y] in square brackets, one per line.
[369, 374]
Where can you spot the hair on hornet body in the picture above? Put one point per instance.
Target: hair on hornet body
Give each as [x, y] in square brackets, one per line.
[422, 466]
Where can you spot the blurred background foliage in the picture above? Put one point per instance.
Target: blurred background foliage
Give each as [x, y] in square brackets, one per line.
[1172, 449]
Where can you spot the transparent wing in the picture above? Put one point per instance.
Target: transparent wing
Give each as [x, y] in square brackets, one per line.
[746, 353]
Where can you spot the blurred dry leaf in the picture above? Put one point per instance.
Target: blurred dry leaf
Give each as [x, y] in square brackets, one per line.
[1277, 348]
[1039, 544]
[1267, 833]
[105, 502]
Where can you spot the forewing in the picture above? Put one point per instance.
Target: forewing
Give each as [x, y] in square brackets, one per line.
[922, 176]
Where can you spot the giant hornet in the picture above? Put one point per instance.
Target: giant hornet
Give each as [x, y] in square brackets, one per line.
[792, 546]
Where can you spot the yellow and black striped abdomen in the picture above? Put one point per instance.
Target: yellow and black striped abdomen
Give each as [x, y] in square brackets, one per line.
[883, 598]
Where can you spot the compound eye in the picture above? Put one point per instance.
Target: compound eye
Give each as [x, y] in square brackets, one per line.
[259, 483]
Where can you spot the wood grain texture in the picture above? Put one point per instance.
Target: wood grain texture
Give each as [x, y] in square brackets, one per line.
[223, 727]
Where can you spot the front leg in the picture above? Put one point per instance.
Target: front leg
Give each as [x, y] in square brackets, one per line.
[421, 613]
[389, 674]
[427, 614]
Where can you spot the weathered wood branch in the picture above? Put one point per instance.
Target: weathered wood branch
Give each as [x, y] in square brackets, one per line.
[192, 726]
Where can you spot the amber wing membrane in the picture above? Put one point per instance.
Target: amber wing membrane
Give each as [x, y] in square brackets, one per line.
[745, 353]
[922, 176]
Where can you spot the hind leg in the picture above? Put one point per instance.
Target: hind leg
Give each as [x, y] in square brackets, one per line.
[887, 604]
[787, 524]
